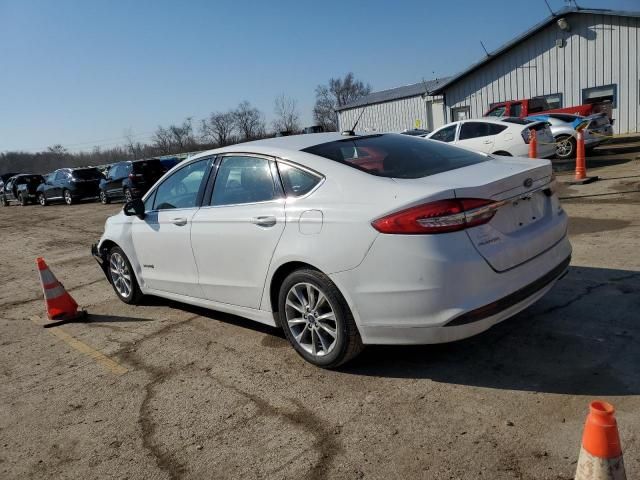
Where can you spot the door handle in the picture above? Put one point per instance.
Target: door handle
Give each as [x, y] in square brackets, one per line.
[180, 221]
[487, 142]
[268, 221]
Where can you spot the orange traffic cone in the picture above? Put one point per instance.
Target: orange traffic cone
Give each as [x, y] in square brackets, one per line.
[61, 307]
[601, 454]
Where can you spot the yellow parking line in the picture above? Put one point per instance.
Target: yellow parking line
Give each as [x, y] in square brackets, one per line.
[111, 365]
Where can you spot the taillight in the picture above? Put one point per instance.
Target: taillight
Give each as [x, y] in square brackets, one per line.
[441, 216]
[135, 176]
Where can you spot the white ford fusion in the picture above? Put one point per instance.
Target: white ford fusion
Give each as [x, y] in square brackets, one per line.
[345, 240]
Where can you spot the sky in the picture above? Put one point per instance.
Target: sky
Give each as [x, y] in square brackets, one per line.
[83, 73]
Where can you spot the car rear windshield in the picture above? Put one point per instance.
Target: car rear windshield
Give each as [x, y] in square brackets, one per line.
[397, 156]
[149, 167]
[29, 179]
[516, 120]
[87, 174]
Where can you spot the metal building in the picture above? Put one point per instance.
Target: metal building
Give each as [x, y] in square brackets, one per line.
[573, 57]
[395, 110]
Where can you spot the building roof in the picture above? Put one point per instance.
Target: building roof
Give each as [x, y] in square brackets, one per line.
[533, 30]
[413, 90]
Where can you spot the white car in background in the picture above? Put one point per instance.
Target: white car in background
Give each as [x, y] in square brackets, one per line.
[345, 240]
[507, 136]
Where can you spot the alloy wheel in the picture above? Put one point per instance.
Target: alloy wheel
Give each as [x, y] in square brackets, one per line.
[68, 198]
[42, 200]
[564, 148]
[311, 319]
[127, 195]
[120, 275]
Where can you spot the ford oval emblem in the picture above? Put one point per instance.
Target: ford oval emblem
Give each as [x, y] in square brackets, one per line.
[528, 182]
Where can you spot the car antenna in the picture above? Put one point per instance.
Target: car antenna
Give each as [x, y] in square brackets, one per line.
[352, 132]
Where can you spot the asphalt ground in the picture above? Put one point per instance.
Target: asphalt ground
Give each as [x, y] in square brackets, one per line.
[165, 390]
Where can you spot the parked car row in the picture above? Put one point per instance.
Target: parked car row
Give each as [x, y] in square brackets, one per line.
[509, 136]
[123, 180]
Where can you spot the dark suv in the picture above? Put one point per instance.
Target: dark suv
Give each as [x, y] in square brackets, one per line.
[130, 180]
[70, 185]
[20, 189]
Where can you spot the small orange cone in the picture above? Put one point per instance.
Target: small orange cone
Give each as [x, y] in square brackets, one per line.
[61, 307]
[601, 454]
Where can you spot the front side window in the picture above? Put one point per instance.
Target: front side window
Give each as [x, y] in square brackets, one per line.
[297, 182]
[243, 180]
[446, 134]
[180, 190]
[401, 156]
[60, 176]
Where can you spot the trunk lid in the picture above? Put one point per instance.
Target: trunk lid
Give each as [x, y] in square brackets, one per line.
[529, 222]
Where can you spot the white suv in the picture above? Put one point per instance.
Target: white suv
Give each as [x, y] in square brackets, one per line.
[505, 136]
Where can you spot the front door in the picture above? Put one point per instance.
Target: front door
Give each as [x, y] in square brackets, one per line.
[235, 235]
[162, 240]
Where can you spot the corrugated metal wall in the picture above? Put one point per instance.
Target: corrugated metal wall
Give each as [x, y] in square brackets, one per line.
[599, 50]
[393, 116]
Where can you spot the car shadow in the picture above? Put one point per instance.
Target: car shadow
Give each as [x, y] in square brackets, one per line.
[581, 338]
[94, 318]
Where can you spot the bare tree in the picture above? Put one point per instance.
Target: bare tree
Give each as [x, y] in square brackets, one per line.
[182, 136]
[219, 128]
[339, 92]
[287, 116]
[134, 148]
[249, 121]
[162, 140]
[57, 152]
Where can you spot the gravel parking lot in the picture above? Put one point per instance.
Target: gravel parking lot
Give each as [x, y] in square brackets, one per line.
[181, 392]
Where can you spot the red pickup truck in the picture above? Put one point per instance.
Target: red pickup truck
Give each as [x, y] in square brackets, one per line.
[524, 108]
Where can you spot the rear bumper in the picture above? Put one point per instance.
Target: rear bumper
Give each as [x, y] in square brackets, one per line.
[415, 291]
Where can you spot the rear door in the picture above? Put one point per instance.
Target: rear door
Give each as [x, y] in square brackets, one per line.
[235, 235]
[476, 136]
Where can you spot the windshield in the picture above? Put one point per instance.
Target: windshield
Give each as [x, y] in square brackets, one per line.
[87, 174]
[398, 156]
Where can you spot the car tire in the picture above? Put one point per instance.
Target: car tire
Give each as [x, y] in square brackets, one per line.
[326, 343]
[42, 200]
[503, 153]
[21, 200]
[566, 147]
[127, 195]
[122, 278]
[104, 199]
[68, 198]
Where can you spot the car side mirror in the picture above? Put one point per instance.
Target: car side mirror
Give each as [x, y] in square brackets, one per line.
[134, 207]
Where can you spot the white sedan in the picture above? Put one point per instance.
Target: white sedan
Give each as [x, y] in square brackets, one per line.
[507, 136]
[345, 240]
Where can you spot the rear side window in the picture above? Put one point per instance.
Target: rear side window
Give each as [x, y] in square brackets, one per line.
[399, 156]
[297, 182]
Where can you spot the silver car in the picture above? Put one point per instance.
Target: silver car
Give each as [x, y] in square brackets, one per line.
[563, 129]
